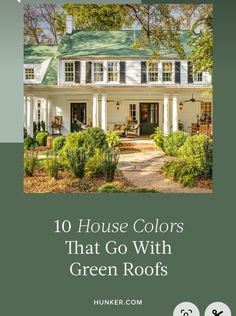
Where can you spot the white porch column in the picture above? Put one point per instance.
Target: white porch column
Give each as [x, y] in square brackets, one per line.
[95, 110]
[25, 111]
[30, 109]
[174, 114]
[104, 112]
[49, 114]
[44, 112]
[46, 115]
[166, 115]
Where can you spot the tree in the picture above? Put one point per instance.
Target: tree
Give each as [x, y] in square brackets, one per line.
[48, 14]
[94, 17]
[161, 28]
[33, 33]
[202, 45]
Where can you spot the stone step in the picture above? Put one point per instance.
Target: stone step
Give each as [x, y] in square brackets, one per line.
[140, 145]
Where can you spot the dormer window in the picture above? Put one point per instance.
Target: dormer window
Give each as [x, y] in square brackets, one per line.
[166, 72]
[29, 73]
[69, 71]
[98, 71]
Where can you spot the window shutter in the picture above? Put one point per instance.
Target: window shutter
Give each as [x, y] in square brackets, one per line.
[143, 72]
[177, 72]
[122, 72]
[77, 71]
[190, 72]
[88, 72]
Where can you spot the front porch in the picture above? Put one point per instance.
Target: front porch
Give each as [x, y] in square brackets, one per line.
[150, 108]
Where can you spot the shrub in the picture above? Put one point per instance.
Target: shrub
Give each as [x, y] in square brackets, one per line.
[25, 133]
[30, 160]
[41, 138]
[52, 167]
[58, 143]
[94, 165]
[76, 161]
[94, 137]
[173, 142]
[29, 142]
[200, 149]
[182, 170]
[108, 188]
[113, 139]
[109, 164]
[158, 138]
[195, 161]
[73, 142]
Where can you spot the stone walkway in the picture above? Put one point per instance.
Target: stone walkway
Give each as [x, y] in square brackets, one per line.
[143, 169]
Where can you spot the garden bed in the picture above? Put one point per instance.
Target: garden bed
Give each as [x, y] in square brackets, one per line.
[66, 183]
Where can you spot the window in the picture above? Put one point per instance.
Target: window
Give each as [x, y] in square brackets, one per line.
[198, 77]
[153, 72]
[69, 71]
[167, 72]
[112, 68]
[98, 72]
[132, 112]
[205, 113]
[29, 73]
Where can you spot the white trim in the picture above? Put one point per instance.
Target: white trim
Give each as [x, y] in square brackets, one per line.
[118, 71]
[64, 72]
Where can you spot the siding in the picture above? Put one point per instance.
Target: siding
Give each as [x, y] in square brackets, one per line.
[133, 72]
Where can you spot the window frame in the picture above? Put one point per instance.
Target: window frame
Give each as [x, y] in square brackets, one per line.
[67, 62]
[133, 110]
[172, 71]
[118, 71]
[157, 71]
[29, 68]
[103, 72]
[207, 111]
[196, 77]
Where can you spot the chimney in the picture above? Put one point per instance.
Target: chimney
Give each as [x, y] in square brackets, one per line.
[70, 26]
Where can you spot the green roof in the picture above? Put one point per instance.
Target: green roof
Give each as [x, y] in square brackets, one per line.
[50, 78]
[92, 43]
[110, 43]
[36, 54]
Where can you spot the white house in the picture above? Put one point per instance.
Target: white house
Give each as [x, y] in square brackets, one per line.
[98, 78]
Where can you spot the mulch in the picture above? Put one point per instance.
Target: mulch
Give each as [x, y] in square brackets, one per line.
[40, 182]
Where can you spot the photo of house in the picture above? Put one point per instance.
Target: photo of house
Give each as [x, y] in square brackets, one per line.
[100, 79]
[97, 78]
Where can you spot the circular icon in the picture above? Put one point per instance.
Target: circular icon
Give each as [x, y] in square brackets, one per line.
[186, 309]
[217, 309]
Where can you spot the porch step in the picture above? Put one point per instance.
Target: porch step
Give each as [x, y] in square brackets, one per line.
[137, 145]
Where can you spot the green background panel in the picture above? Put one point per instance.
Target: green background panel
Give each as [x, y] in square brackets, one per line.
[34, 267]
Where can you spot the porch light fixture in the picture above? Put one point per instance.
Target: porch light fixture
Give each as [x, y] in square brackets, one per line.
[181, 105]
[117, 105]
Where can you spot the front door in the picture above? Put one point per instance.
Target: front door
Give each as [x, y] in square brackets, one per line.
[149, 117]
[78, 116]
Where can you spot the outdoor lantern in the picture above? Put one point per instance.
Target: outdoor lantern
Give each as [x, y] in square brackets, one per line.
[117, 105]
[181, 106]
